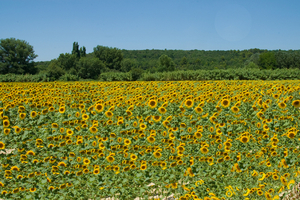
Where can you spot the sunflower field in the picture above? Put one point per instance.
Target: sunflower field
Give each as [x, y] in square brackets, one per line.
[205, 140]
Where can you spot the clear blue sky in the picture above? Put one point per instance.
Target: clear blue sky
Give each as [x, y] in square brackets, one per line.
[51, 26]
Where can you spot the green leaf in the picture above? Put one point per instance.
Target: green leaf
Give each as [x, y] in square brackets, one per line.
[44, 181]
[92, 179]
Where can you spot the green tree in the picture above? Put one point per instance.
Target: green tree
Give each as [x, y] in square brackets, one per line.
[75, 50]
[112, 57]
[16, 56]
[67, 61]
[252, 65]
[82, 51]
[136, 73]
[165, 64]
[267, 60]
[127, 64]
[54, 70]
[90, 68]
[253, 58]
[184, 63]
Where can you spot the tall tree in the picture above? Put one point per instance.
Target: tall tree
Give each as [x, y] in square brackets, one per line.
[267, 60]
[75, 50]
[82, 51]
[165, 64]
[90, 67]
[16, 56]
[67, 61]
[112, 57]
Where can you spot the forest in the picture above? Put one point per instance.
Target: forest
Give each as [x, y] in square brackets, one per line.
[17, 58]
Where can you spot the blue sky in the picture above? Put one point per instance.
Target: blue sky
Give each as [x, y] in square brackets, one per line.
[51, 26]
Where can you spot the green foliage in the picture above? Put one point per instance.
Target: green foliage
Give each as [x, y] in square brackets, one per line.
[82, 51]
[78, 53]
[183, 63]
[75, 50]
[111, 57]
[136, 73]
[67, 61]
[165, 64]
[127, 64]
[287, 59]
[69, 77]
[25, 78]
[41, 65]
[54, 70]
[267, 60]
[219, 74]
[252, 65]
[16, 56]
[112, 76]
[90, 68]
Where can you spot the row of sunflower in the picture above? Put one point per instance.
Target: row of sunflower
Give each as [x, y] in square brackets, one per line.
[196, 140]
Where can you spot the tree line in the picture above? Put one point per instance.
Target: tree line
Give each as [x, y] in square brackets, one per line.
[17, 57]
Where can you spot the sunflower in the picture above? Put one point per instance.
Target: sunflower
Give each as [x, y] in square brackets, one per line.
[235, 109]
[127, 142]
[259, 114]
[189, 103]
[17, 129]
[13, 168]
[79, 173]
[85, 117]
[62, 164]
[15, 190]
[296, 103]
[133, 157]
[143, 126]
[162, 110]
[143, 167]
[282, 105]
[225, 103]
[96, 171]
[86, 161]
[6, 123]
[54, 125]
[133, 166]
[33, 114]
[22, 115]
[156, 118]
[129, 113]
[151, 139]
[182, 125]
[275, 177]
[109, 114]
[274, 153]
[173, 164]
[110, 159]
[180, 148]
[93, 129]
[180, 162]
[244, 139]
[6, 131]
[29, 153]
[291, 135]
[62, 110]
[152, 103]
[69, 132]
[157, 154]
[99, 107]
[204, 150]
